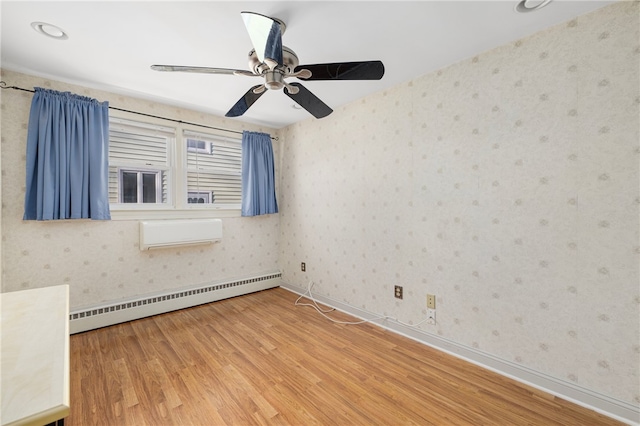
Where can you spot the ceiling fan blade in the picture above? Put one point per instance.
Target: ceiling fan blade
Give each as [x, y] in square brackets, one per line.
[266, 37]
[201, 70]
[368, 70]
[309, 101]
[245, 102]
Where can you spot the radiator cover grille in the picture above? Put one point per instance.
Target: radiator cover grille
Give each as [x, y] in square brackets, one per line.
[207, 291]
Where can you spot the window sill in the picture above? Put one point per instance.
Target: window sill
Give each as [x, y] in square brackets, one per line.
[173, 214]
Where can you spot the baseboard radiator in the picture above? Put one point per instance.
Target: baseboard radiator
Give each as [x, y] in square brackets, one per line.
[89, 318]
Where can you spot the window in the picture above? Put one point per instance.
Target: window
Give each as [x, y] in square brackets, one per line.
[157, 171]
[198, 146]
[214, 168]
[199, 198]
[138, 186]
[139, 163]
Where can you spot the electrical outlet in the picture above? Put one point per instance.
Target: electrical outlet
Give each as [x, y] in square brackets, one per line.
[431, 316]
[303, 267]
[431, 301]
[397, 291]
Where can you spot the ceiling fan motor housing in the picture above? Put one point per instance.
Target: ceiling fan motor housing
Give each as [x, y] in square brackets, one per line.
[289, 59]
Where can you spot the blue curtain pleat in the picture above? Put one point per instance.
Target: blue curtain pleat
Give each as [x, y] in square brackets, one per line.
[67, 157]
[258, 175]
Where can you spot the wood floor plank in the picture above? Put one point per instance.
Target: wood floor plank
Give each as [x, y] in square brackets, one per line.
[121, 371]
[260, 360]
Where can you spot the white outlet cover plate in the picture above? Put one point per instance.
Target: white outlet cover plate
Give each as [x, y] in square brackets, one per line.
[431, 316]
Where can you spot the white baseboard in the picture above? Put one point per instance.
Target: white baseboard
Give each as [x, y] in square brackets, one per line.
[595, 401]
[105, 314]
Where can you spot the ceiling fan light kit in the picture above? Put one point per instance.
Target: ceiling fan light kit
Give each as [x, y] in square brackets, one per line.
[274, 62]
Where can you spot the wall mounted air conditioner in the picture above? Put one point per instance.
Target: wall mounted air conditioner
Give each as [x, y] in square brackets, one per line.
[175, 233]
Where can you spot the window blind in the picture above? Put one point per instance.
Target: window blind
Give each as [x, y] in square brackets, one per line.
[215, 170]
[137, 146]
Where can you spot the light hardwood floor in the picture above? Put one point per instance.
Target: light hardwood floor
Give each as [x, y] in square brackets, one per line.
[257, 359]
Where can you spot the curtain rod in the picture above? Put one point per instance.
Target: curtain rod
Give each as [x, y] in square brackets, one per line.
[3, 85]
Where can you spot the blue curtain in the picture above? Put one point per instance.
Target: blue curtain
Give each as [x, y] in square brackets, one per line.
[67, 157]
[258, 177]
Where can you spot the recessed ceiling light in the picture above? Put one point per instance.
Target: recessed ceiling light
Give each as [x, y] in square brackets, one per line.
[296, 106]
[531, 5]
[49, 30]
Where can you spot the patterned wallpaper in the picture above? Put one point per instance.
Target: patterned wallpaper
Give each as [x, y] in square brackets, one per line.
[100, 260]
[507, 185]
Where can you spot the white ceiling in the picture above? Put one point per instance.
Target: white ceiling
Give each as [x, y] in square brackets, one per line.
[111, 44]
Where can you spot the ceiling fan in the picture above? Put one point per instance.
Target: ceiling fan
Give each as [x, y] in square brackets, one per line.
[274, 62]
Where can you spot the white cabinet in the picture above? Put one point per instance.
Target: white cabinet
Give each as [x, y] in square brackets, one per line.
[34, 368]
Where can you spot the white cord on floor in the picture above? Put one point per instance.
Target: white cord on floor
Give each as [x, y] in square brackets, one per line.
[315, 306]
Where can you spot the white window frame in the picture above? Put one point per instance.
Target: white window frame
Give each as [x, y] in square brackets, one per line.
[177, 206]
